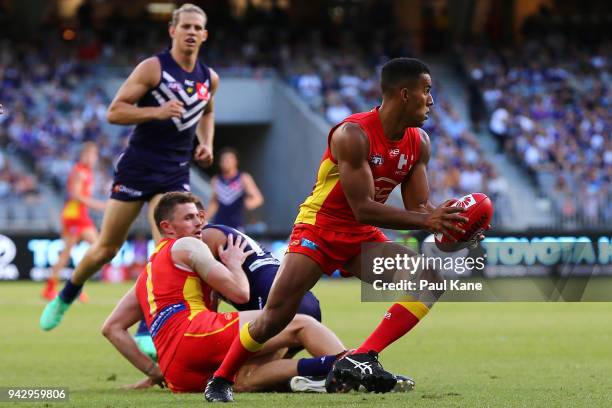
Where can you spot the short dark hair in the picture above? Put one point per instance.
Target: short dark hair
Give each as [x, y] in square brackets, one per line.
[165, 207]
[398, 71]
[229, 150]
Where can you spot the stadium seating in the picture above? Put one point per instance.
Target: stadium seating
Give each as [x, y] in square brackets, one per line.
[549, 104]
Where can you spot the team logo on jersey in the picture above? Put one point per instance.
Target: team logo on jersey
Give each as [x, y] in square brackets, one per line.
[394, 152]
[403, 160]
[188, 82]
[203, 92]
[192, 101]
[376, 159]
[175, 86]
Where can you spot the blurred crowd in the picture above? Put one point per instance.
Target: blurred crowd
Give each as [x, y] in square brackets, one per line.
[550, 107]
[15, 184]
[549, 101]
[52, 105]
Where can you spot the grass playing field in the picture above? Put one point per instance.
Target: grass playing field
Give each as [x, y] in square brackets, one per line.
[461, 355]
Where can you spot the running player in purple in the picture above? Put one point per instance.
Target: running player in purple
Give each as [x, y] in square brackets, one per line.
[169, 97]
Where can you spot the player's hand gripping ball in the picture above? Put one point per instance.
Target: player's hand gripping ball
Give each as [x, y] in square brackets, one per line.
[478, 211]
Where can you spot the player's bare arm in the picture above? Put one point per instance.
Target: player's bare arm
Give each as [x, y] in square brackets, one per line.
[225, 277]
[76, 187]
[415, 187]
[254, 198]
[123, 111]
[215, 239]
[213, 205]
[205, 131]
[350, 147]
[415, 193]
[115, 329]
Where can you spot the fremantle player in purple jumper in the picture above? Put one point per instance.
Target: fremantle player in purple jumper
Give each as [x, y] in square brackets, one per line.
[169, 97]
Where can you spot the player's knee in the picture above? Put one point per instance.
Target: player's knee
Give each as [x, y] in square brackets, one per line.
[303, 320]
[104, 253]
[273, 321]
[107, 329]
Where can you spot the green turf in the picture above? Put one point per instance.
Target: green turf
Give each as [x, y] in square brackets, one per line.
[462, 355]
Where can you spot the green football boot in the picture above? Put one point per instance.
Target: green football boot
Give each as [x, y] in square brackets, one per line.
[52, 316]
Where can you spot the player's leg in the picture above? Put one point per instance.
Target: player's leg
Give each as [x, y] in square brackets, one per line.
[90, 235]
[303, 330]
[260, 373]
[70, 240]
[116, 223]
[402, 316]
[296, 275]
[118, 218]
[150, 212]
[362, 365]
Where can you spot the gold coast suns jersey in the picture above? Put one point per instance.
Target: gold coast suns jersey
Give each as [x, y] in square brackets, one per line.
[389, 160]
[170, 298]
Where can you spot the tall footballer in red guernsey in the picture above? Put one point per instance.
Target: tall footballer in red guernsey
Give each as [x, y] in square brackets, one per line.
[368, 155]
[76, 223]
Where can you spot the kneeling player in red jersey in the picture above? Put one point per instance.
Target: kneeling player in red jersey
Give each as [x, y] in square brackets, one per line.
[178, 295]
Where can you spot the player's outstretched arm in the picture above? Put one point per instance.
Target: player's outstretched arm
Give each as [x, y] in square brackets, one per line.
[230, 281]
[76, 187]
[146, 76]
[415, 187]
[205, 130]
[115, 329]
[350, 147]
[415, 193]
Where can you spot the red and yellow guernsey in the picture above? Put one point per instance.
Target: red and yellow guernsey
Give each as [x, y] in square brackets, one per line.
[389, 160]
[170, 298]
[74, 209]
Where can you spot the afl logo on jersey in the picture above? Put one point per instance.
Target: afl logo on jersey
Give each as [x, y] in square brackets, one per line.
[376, 159]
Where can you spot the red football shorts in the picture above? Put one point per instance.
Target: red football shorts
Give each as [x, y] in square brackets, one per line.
[201, 351]
[75, 226]
[330, 249]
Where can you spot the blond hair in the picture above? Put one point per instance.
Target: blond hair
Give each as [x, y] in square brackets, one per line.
[186, 8]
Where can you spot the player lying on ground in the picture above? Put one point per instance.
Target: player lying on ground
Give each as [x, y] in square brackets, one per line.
[368, 155]
[176, 295]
